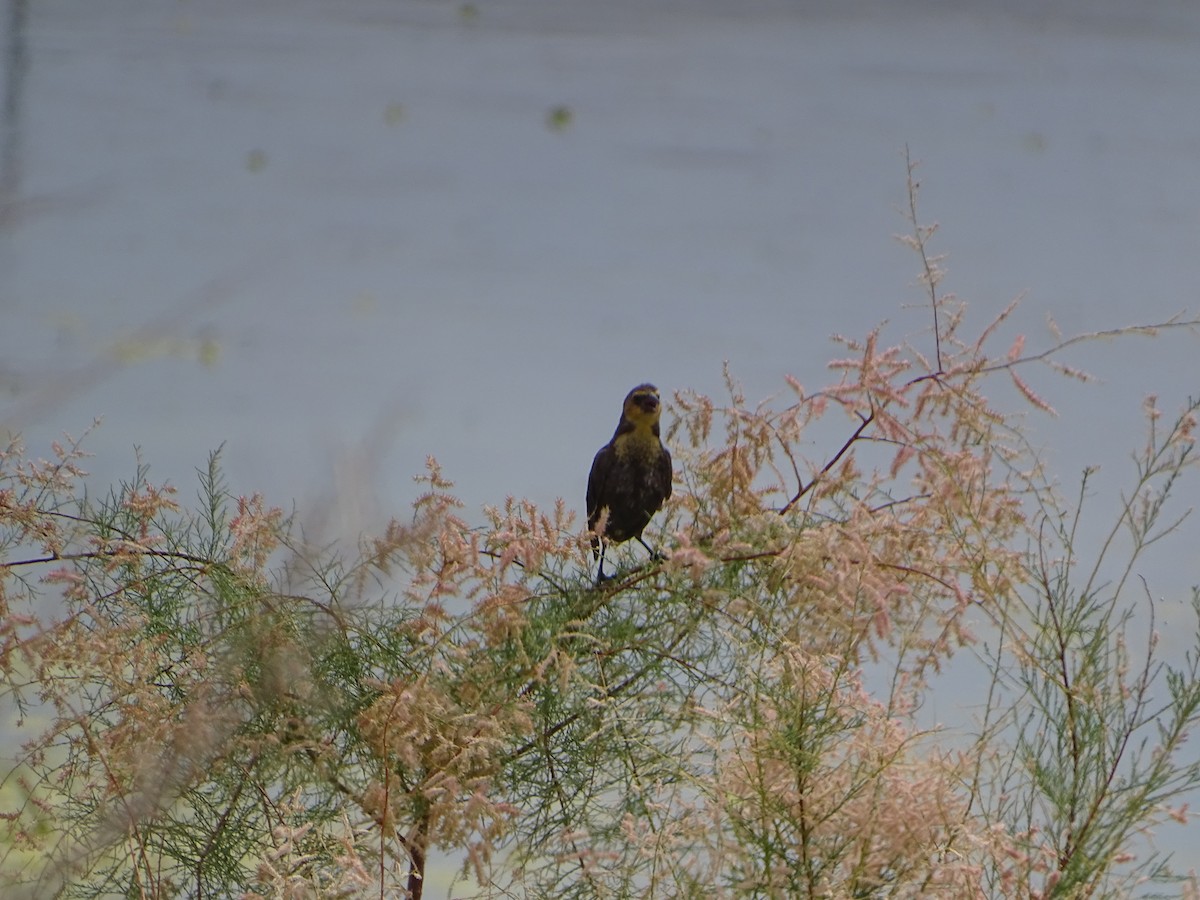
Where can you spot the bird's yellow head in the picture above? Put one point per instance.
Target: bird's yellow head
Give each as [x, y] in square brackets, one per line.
[643, 408]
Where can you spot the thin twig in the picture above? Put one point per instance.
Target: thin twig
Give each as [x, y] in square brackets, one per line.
[805, 488]
[931, 277]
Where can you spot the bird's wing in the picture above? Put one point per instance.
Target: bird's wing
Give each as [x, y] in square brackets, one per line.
[598, 482]
[664, 472]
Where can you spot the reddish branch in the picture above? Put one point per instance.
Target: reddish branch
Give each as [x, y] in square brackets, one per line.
[805, 488]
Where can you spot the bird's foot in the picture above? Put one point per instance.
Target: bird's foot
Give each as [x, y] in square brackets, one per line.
[655, 555]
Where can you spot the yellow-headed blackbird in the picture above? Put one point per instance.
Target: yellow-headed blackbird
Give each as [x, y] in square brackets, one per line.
[631, 475]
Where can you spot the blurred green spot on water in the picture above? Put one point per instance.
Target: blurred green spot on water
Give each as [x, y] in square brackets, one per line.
[256, 160]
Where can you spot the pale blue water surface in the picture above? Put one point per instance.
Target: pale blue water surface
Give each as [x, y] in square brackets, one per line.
[337, 237]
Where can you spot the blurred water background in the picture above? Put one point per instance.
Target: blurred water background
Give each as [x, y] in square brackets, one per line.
[338, 237]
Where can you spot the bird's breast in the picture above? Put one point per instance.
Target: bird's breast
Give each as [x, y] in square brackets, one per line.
[641, 448]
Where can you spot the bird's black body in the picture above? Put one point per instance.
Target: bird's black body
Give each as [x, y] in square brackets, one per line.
[631, 475]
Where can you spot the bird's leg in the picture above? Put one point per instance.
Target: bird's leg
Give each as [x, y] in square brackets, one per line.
[600, 576]
[654, 554]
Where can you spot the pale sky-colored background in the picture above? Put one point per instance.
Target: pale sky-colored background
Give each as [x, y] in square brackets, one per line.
[337, 237]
